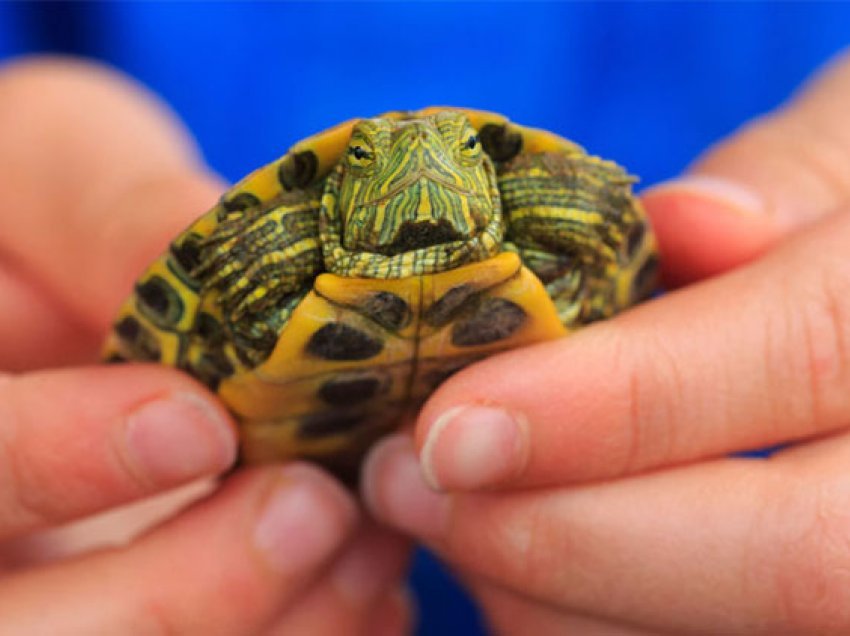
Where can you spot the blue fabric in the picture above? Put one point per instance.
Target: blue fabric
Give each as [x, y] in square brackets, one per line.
[648, 84]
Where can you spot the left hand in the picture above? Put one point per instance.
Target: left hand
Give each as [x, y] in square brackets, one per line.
[584, 485]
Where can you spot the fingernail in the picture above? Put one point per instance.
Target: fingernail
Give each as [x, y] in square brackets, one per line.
[396, 492]
[729, 194]
[177, 438]
[304, 520]
[471, 447]
[369, 567]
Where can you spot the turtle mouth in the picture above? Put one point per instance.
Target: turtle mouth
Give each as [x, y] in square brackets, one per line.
[414, 235]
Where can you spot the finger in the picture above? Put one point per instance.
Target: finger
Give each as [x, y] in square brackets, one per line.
[76, 441]
[111, 528]
[737, 546]
[756, 358]
[395, 615]
[36, 330]
[227, 566]
[363, 586]
[779, 172]
[509, 612]
[111, 168]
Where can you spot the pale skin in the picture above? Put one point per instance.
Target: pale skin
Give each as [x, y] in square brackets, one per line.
[96, 176]
[592, 492]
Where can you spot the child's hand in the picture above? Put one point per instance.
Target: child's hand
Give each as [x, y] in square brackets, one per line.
[95, 178]
[618, 510]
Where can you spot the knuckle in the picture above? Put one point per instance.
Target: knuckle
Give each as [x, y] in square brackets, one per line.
[522, 544]
[812, 333]
[814, 144]
[21, 504]
[828, 326]
[656, 387]
[796, 161]
[154, 619]
[811, 559]
[506, 543]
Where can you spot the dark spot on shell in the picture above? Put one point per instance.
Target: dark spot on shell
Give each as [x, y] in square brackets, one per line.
[142, 342]
[152, 292]
[494, 320]
[349, 389]
[211, 380]
[210, 368]
[328, 423]
[128, 328]
[188, 253]
[209, 328]
[160, 301]
[217, 361]
[645, 279]
[388, 310]
[449, 305]
[240, 202]
[338, 341]
[297, 170]
[635, 238]
[500, 142]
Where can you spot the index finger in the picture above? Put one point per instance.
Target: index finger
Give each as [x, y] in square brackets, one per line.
[777, 174]
[96, 175]
[758, 357]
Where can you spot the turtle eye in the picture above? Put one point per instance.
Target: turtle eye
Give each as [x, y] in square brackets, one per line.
[470, 147]
[359, 156]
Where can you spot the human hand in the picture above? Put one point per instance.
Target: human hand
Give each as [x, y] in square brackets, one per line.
[95, 178]
[585, 485]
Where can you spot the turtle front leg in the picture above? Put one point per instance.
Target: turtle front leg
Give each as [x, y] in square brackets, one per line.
[255, 267]
[575, 223]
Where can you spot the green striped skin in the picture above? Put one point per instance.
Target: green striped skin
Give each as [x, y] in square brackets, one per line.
[257, 261]
[575, 223]
[411, 197]
[256, 255]
[419, 197]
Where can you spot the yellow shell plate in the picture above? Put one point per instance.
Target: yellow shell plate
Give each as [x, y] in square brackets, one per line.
[279, 401]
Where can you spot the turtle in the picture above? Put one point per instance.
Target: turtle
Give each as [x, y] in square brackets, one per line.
[328, 293]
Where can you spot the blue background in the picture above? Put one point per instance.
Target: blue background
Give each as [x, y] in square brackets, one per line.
[650, 85]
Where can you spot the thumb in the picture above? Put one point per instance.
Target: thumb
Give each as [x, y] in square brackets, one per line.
[777, 173]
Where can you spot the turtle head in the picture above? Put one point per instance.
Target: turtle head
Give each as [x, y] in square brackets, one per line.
[420, 192]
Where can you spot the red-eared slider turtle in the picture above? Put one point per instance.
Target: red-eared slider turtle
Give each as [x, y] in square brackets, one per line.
[333, 289]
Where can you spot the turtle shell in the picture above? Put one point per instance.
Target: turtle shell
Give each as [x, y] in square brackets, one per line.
[317, 354]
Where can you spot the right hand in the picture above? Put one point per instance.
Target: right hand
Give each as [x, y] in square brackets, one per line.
[95, 178]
